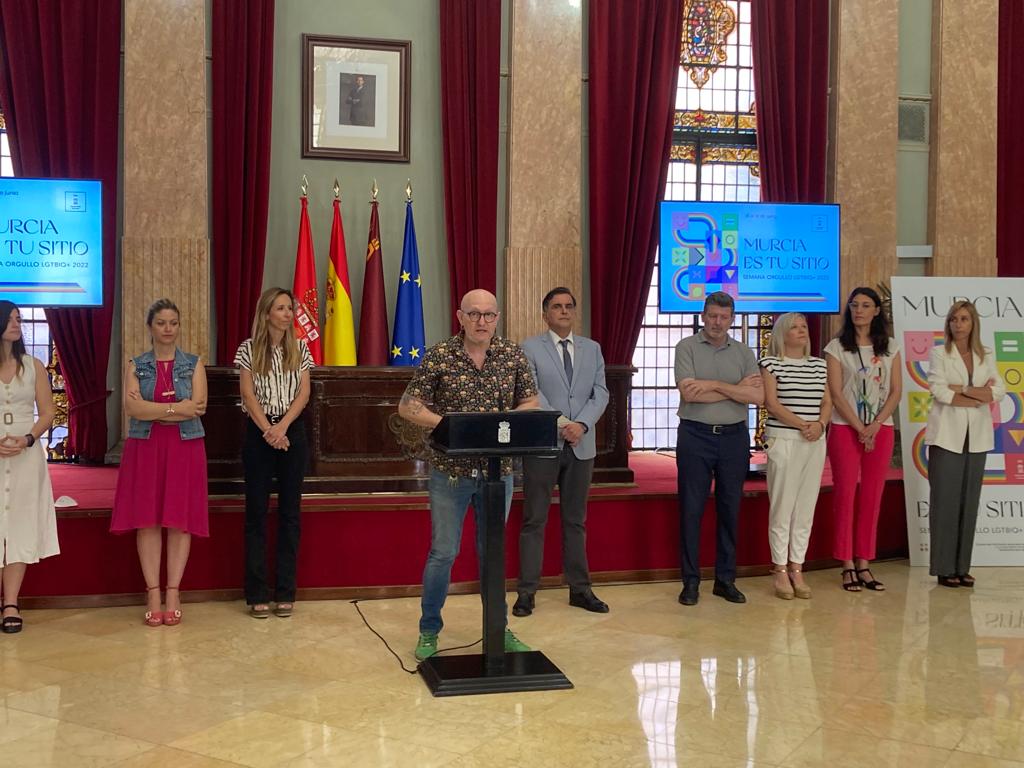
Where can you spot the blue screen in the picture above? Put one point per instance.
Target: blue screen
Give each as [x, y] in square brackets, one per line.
[769, 257]
[51, 242]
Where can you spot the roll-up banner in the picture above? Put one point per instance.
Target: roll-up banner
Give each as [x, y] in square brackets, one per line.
[919, 307]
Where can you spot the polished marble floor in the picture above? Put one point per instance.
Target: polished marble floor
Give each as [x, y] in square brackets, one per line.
[917, 676]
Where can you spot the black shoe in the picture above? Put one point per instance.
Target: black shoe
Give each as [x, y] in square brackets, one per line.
[727, 589]
[950, 581]
[524, 605]
[588, 601]
[690, 594]
[11, 625]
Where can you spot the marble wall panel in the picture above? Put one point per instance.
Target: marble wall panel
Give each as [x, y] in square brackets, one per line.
[164, 268]
[529, 274]
[865, 84]
[962, 202]
[544, 156]
[165, 249]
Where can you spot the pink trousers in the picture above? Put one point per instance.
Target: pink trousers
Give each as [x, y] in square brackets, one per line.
[857, 508]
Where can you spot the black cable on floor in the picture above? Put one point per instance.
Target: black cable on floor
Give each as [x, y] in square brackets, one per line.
[355, 604]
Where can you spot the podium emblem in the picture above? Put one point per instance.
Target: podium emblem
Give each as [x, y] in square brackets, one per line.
[504, 432]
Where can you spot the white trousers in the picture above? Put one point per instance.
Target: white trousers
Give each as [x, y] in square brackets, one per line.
[794, 479]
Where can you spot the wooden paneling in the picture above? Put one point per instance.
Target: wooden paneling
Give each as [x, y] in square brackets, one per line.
[357, 442]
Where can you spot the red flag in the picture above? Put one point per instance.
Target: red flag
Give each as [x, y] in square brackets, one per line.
[307, 306]
[373, 315]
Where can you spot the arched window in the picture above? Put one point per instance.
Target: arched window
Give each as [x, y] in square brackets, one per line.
[714, 157]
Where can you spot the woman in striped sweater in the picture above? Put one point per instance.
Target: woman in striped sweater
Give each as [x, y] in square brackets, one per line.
[799, 407]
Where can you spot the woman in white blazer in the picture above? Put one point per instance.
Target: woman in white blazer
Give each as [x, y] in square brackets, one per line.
[964, 380]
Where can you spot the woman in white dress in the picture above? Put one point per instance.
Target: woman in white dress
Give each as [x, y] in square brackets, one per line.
[28, 523]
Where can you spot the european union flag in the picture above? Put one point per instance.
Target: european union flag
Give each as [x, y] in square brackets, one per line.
[408, 342]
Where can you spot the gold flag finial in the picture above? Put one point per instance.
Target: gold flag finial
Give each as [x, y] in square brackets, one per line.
[374, 190]
[408, 190]
[304, 186]
[337, 190]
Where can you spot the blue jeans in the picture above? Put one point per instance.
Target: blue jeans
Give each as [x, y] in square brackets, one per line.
[449, 499]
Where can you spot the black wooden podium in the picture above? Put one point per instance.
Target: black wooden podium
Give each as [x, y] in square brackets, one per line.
[492, 436]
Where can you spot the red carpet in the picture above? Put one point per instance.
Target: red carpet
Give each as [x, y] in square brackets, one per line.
[374, 544]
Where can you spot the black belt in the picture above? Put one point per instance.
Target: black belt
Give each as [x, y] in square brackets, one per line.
[274, 419]
[715, 429]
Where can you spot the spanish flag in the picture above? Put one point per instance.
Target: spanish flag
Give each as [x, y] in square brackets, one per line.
[339, 329]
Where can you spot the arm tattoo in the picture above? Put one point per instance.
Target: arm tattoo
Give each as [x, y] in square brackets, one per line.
[414, 404]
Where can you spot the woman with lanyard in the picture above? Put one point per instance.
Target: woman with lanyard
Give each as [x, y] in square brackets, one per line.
[863, 379]
[274, 380]
[964, 381]
[162, 480]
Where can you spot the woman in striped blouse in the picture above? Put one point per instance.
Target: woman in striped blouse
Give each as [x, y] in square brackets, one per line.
[274, 380]
[799, 407]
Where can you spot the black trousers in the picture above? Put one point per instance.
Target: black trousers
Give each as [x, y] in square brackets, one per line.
[262, 465]
[955, 481]
[539, 478]
[700, 456]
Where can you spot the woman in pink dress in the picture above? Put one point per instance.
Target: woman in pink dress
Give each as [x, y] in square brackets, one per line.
[162, 481]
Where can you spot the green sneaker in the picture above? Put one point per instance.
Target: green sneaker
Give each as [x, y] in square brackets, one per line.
[426, 646]
[513, 644]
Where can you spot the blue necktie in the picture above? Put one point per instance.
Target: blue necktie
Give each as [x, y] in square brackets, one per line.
[566, 359]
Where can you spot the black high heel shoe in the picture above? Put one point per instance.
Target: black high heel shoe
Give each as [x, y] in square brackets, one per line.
[11, 625]
[873, 584]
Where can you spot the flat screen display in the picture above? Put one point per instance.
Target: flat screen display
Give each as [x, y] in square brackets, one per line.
[770, 257]
[51, 242]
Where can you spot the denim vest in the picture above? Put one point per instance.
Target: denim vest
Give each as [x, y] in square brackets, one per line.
[145, 371]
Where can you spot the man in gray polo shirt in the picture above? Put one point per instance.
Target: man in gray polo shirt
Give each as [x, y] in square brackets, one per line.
[717, 378]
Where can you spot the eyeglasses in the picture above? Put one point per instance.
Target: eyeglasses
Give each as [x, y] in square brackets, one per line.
[476, 317]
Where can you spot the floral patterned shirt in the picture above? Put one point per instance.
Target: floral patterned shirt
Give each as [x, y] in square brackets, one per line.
[448, 380]
[867, 379]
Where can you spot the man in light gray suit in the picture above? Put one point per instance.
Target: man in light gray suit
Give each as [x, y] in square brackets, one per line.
[569, 371]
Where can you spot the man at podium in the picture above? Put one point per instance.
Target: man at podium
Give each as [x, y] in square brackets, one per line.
[477, 371]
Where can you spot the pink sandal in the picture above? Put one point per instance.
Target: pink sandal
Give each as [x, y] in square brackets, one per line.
[153, 618]
[173, 618]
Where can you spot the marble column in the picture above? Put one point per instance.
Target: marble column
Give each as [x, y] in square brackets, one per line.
[165, 249]
[962, 199]
[545, 159]
[865, 88]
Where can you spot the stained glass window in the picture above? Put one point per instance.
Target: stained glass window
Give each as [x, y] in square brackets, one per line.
[36, 333]
[714, 157]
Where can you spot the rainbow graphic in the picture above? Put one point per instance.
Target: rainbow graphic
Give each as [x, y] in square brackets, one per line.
[993, 475]
[917, 348]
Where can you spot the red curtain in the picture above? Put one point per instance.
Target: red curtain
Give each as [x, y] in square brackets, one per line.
[243, 79]
[470, 83]
[790, 59]
[1010, 148]
[59, 90]
[634, 64]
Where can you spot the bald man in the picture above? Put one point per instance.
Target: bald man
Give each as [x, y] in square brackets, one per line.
[475, 370]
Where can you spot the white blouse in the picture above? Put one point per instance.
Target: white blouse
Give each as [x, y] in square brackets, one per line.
[275, 390]
[867, 379]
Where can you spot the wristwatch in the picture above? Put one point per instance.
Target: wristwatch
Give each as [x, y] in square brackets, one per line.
[30, 440]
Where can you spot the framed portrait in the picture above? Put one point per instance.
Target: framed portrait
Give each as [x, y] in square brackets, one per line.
[355, 98]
